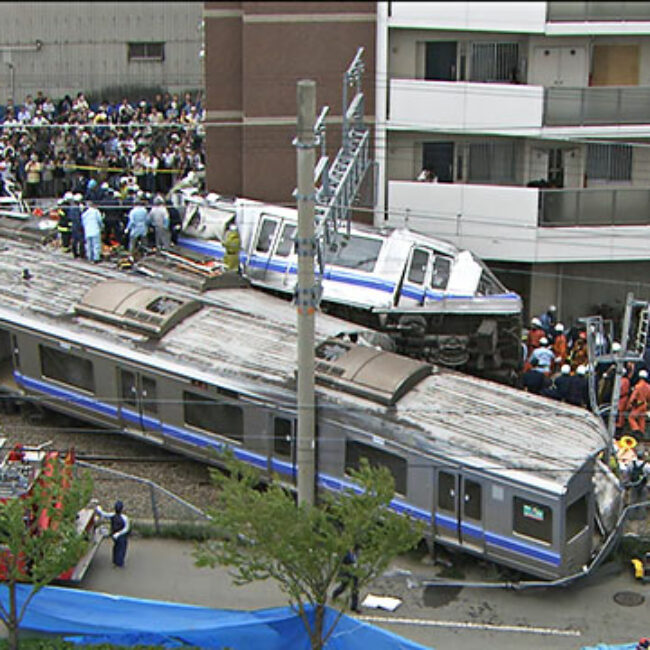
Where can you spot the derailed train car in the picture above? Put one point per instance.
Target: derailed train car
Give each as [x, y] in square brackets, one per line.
[437, 302]
[496, 472]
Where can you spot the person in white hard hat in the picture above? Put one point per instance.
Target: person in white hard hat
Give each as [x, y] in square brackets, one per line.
[535, 334]
[548, 320]
[578, 393]
[560, 346]
[639, 400]
[544, 356]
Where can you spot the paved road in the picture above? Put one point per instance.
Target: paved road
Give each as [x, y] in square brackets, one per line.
[583, 614]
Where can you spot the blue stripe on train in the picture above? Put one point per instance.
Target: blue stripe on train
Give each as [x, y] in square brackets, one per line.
[333, 275]
[326, 481]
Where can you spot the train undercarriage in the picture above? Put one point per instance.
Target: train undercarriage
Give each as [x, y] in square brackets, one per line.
[484, 345]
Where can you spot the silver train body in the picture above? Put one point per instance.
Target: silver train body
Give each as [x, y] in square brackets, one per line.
[493, 471]
[437, 302]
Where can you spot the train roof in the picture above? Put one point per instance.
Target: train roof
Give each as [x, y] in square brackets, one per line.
[248, 340]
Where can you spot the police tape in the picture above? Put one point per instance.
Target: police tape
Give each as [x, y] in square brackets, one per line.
[121, 169]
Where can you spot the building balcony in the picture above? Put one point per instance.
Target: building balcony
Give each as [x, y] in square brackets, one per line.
[597, 106]
[456, 105]
[521, 224]
[479, 16]
[597, 11]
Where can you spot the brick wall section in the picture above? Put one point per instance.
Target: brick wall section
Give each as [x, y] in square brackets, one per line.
[255, 54]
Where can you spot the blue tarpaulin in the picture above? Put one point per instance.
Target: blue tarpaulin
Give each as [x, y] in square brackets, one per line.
[88, 617]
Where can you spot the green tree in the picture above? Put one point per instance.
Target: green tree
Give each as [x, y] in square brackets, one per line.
[264, 534]
[35, 554]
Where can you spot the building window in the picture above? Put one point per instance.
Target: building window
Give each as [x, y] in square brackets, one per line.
[495, 62]
[531, 519]
[576, 517]
[609, 162]
[67, 368]
[355, 451]
[146, 51]
[207, 414]
[492, 163]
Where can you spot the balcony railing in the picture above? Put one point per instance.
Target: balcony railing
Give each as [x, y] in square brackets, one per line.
[594, 207]
[597, 11]
[591, 106]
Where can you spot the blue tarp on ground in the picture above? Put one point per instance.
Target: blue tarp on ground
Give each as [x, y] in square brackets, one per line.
[88, 617]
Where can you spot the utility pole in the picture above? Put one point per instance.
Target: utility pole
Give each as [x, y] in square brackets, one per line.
[306, 293]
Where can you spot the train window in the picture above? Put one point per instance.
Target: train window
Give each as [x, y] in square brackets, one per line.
[204, 413]
[67, 368]
[149, 396]
[533, 520]
[128, 388]
[576, 517]
[357, 253]
[441, 272]
[266, 234]
[418, 267]
[282, 434]
[447, 491]
[472, 500]
[285, 245]
[355, 451]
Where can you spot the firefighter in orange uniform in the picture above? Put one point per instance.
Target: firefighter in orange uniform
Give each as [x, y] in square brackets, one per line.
[535, 335]
[560, 346]
[639, 404]
[623, 398]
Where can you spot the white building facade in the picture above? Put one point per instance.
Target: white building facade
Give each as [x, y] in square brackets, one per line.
[535, 119]
[99, 47]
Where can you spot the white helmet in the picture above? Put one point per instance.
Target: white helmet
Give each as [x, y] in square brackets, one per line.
[566, 369]
[78, 198]
[643, 374]
[68, 196]
[543, 341]
[536, 322]
[616, 346]
[581, 370]
[559, 327]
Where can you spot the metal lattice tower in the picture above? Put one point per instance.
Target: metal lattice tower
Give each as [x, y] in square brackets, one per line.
[341, 180]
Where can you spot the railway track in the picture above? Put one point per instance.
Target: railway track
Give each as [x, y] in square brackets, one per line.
[184, 477]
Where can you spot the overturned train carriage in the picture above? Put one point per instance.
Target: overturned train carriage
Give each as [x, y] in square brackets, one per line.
[437, 302]
[496, 472]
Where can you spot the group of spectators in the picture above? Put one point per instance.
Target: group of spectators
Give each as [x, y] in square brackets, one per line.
[48, 149]
[557, 365]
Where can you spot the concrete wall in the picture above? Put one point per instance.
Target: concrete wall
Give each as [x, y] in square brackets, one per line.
[83, 46]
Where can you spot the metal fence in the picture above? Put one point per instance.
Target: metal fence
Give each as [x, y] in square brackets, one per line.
[145, 502]
[596, 106]
[595, 207]
[579, 11]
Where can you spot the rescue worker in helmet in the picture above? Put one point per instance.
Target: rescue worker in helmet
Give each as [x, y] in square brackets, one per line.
[232, 244]
[535, 334]
[120, 527]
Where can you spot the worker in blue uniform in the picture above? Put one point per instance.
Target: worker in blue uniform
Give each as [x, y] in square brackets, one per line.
[120, 527]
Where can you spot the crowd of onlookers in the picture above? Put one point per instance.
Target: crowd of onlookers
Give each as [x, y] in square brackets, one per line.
[49, 148]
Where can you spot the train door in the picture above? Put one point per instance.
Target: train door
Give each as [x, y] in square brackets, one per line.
[413, 290]
[458, 512]
[283, 448]
[259, 262]
[139, 402]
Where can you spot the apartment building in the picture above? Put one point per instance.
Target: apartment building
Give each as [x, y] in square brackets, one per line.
[535, 119]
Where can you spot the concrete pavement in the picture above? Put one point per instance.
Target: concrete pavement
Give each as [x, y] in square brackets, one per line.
[580, 615]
